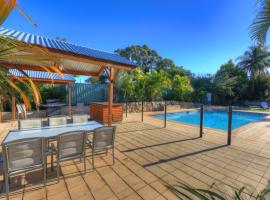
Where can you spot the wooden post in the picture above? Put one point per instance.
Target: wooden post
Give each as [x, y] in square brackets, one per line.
[69, 99]
[111, 77]
[13, 108]
[229, 141]
[201, 121]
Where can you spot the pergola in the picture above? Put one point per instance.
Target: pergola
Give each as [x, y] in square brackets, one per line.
[77, 60]
[44, 77]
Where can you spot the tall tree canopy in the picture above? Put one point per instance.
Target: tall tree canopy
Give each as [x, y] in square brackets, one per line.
[145, 58]
[230, 83]
[255, 63]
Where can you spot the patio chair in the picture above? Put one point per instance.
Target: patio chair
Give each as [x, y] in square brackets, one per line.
[70, 145]
[29, 123]
[23, 155]
[103, 140]
[21, 110]
[264, 105]
[56, 121]
[79, 118]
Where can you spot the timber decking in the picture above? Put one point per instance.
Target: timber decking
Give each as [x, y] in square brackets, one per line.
[147, 156]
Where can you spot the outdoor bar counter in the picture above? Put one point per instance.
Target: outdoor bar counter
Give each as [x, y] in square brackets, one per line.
[99, 112]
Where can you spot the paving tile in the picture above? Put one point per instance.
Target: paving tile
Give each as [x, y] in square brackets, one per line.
[148, 193]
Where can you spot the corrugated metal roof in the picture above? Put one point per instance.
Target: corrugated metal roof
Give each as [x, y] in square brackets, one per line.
[42, 75]
[65, 46]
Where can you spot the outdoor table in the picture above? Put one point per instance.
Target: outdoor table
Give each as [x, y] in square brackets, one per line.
[53, 108]
[50, 132]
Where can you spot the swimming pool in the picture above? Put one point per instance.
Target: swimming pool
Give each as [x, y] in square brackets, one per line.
[216, 119]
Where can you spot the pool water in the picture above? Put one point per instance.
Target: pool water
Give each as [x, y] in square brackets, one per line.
[216, 119]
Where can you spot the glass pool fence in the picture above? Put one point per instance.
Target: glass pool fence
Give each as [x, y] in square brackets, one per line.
[193, 118]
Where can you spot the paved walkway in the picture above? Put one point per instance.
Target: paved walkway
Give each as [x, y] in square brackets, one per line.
[148, 156]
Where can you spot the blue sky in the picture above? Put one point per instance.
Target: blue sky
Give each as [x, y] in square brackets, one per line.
[199, 35]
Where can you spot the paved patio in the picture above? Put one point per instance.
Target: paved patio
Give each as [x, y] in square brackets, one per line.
[148, 156]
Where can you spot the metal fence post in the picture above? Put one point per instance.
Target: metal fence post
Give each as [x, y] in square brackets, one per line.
[165, 114]
[201, 121]
[126, 107]
[229, 126]
[142, 109]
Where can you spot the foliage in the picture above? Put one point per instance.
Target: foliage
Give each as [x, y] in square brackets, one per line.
[255, 63]
[202, 84]
[126, 84]
[50, 91]
[157, 83]
[152, 86]
[144, 57]
[155, 77]
[16, 52]
[181, 84]
[230, 83]
[183, 191]
[261, 23]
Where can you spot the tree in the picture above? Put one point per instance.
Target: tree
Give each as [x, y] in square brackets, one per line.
[181, 84]
[255, 62]
[126, 84]
[157, 83]
[145, 58]
[230, 83]
[165, 64]
[202, 84]
[261, 23]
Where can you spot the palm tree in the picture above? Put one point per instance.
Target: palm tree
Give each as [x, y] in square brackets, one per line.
[13, 52]
[255, 62]
[261, 23]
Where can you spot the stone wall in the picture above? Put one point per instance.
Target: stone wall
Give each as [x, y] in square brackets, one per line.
[135, 107]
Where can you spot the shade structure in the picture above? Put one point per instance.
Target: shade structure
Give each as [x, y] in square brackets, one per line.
[77, 60]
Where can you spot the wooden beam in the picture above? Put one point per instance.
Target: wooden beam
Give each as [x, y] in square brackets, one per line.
[110, 114]
[46, 81]
[83, 73]
[13, 108]
[101, 70]
[69, 100]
